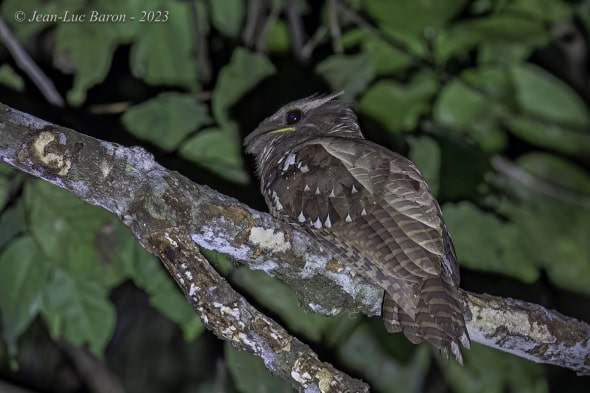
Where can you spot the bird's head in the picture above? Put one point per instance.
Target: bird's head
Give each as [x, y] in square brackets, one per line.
[316, 115]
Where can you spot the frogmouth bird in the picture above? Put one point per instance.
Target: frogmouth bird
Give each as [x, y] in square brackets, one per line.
[370, 207]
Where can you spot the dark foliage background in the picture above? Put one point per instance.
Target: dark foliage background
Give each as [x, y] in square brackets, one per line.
[488, 97]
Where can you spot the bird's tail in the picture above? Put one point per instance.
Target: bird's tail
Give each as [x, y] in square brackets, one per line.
[439, 319]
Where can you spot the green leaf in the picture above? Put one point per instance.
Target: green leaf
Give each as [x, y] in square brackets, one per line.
[79, 242]
[4, 191]
[68, 231]
[163, 52]
[364, 354]
[351, 73]
[12, 222]
[425, 153]
[82, 48]
[503, 52]
[218, 150]
[78, 311]
[483, 242]
[488, 370]
[227, 16]
[23, 274]
[552, 169]
[244, 71]
[148, 273]
[410, 20]
[551, 115]
[220, 262]
[414, 16]
[397, 106]
[6, 169]
[10, 184]
[10, 78]
[551, 210]
[465, 35]
[167, 119]
[385, 58]
[250, 375]
[551, 136]
[90, 48]
[474, 104]
[86, 48]
[168, 300]
[546, 10]
[278, 38]
[280, 299]
[540, 93]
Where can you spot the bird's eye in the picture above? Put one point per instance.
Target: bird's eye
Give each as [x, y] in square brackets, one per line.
[293, 116]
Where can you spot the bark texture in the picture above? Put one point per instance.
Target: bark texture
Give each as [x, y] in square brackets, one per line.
[172, 217]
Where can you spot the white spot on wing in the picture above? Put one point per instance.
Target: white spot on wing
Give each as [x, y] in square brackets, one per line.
[317, 223]
[276, 201]
[301, 217]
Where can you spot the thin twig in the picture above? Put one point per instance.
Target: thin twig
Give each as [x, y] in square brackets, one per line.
[315, 39]
[388, 39]
[26, 63]
[334, 27]
[296, 30]
[535, 117]
[201, 45]
[254, 13]
[270, 21]
[97, 377]
[542, 186]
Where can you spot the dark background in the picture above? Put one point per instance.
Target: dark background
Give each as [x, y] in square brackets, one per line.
[489, 98]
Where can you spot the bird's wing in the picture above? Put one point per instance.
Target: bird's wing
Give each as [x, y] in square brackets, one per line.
[371, 205]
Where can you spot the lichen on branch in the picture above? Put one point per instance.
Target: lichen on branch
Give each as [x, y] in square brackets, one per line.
[172, 217]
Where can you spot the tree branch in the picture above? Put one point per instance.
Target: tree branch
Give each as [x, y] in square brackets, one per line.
[162, 208]
[172, 217]
[26, 63]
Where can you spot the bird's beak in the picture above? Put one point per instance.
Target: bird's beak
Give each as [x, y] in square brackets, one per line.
[286, 129]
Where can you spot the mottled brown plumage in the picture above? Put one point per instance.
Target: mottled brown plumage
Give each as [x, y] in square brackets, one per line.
[371, 207]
